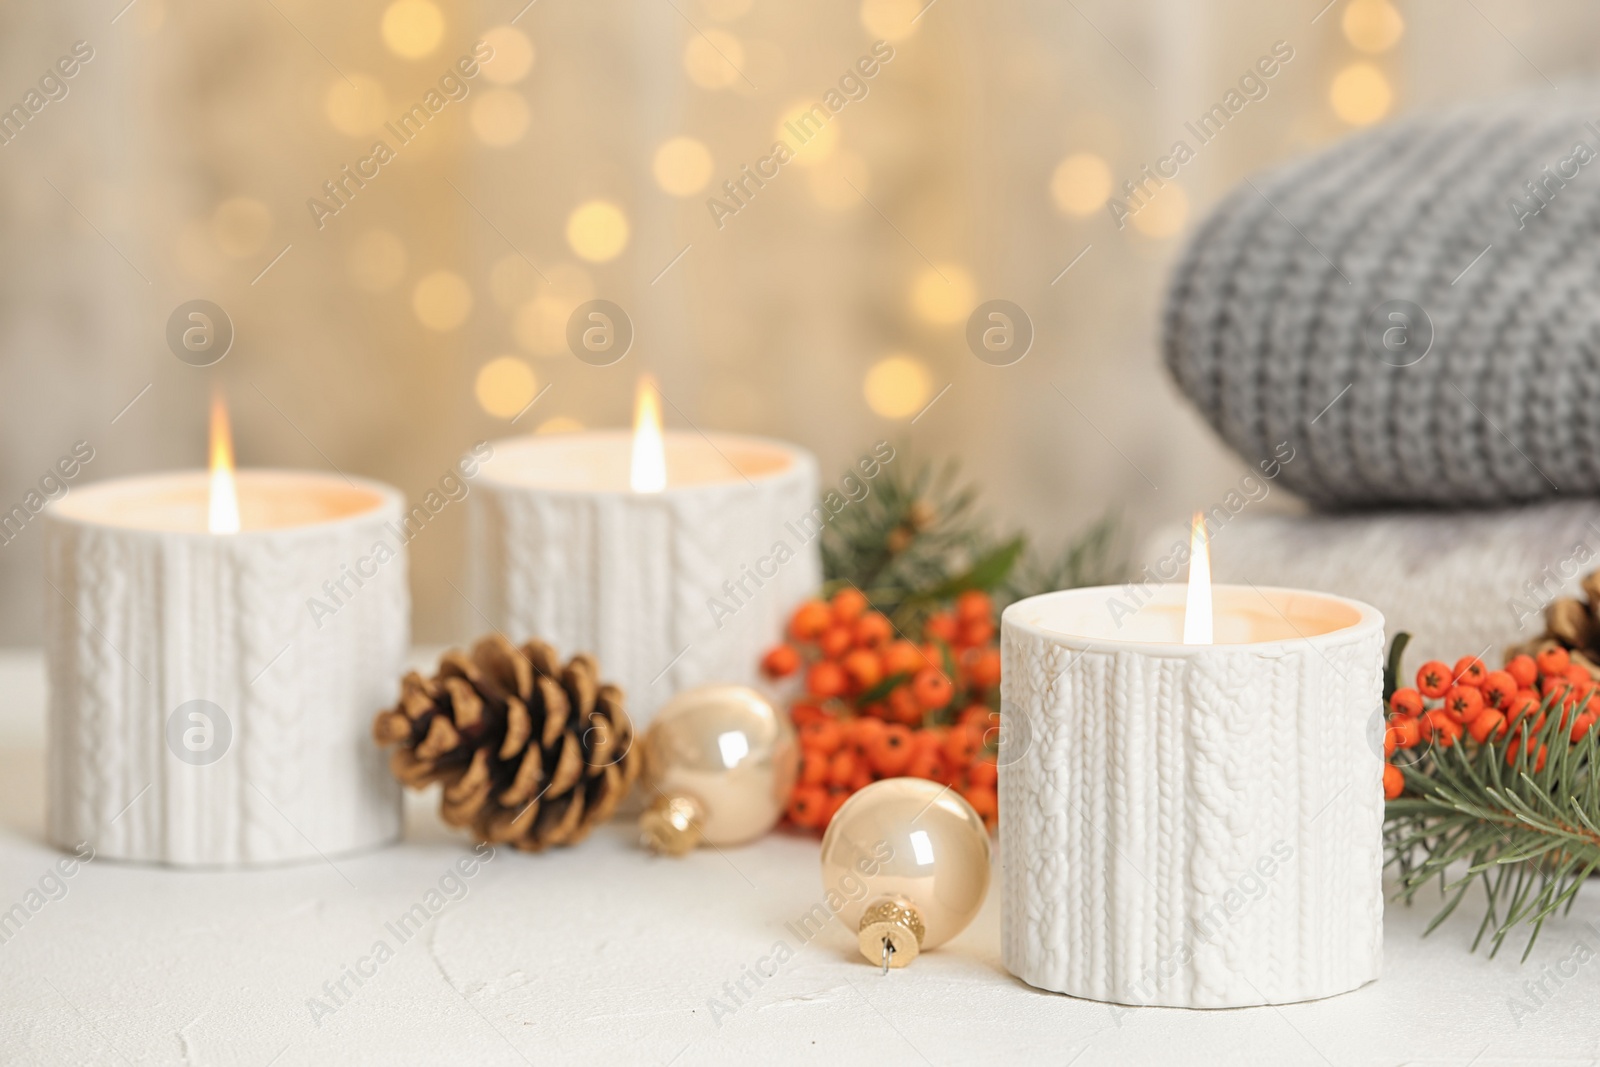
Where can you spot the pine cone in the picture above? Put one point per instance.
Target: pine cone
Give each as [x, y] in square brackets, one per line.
[530, 753]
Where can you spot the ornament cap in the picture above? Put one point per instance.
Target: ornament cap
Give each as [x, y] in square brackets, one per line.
[671, 826]
[891, 933]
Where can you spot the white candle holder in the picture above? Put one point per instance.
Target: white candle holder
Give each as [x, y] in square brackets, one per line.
[670, 589]
[1192, 825]
[202, 711]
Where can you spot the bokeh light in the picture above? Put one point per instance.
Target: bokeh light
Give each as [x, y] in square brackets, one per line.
[240, 225]
[505, 386]
[597, 230]
[559, 424]
[1360, 94]
[441, 300]
[499, 117]
[513, 55]
[840, 183]
[1164, 214]
[682, 166]
[945, 295]
[1372, 25]
[356, 107]
[376, 261]
[811, 135]
[897, 387]
[1080, 184]
[511, 280]
[412, 28]
[890, 19]
[713, 60]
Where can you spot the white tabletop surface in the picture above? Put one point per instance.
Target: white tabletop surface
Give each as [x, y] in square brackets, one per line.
[601, 954]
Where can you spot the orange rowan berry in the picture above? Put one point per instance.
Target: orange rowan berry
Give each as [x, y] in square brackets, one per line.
[903, 657]
[824, 736]
[1469, 670]
[1489, 723]
[1463, 702]
[1580, 727]
[983, 800]
[826, 679]
[940, 627]
[848, 605]
[873, 630]
[1553, 661]
[983, 773]
[807, 805]
[984, 671]
[862, 730]
[804, 713]
[890, 753]
[1524, 670]
[1394, 781]
[962, 745]
[842, 767]
[903, 706]
[835, 642]
[976, 633]
[813, 767]
[1406, 701]
[780, 662]
[927, 763]
[1433, 678]
[1441, 727]
[1516, 745]
[865, 668]
[1498, 689]
[1523, 702]
[931, 688]
[974, 604]
[808, 620]
[1407, 730]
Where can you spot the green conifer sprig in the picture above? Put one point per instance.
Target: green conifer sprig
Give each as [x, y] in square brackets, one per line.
[1528, 835]
[920, 538]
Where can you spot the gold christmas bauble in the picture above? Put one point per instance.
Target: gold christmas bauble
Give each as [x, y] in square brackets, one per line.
[910, 859]
[719, 764]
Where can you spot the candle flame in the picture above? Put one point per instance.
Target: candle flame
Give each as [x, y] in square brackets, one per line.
[649, 471]
[224, 499]
[1197, 609]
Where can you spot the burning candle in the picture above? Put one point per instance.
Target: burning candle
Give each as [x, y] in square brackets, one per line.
[200, 712]
[1191, 800]
[673, 556]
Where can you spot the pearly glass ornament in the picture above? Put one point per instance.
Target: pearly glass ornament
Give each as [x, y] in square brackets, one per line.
[921, 855]
[719, 764]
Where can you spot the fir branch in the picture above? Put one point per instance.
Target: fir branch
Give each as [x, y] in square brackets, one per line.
[1529, 836]
[919, 538]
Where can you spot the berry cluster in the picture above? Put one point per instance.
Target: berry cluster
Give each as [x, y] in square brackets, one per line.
[880, 706]
[1487, 706]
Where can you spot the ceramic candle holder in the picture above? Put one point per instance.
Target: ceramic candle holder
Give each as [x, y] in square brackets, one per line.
[668, 589]
[1192, 825]
[201, 711]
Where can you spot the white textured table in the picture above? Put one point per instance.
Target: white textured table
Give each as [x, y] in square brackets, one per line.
[601, 954]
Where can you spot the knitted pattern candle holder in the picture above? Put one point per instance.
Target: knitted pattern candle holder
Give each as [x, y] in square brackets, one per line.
[1192, 825]
[200, 713]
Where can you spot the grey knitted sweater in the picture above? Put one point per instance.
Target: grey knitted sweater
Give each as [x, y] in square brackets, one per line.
[1282, 323]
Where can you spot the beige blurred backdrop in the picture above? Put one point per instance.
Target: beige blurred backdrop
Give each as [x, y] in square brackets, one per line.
[830, 309]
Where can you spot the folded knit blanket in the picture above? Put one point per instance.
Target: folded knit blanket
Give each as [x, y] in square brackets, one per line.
[1416, 310]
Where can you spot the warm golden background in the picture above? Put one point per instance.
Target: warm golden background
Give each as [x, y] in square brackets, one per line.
[830, 310]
